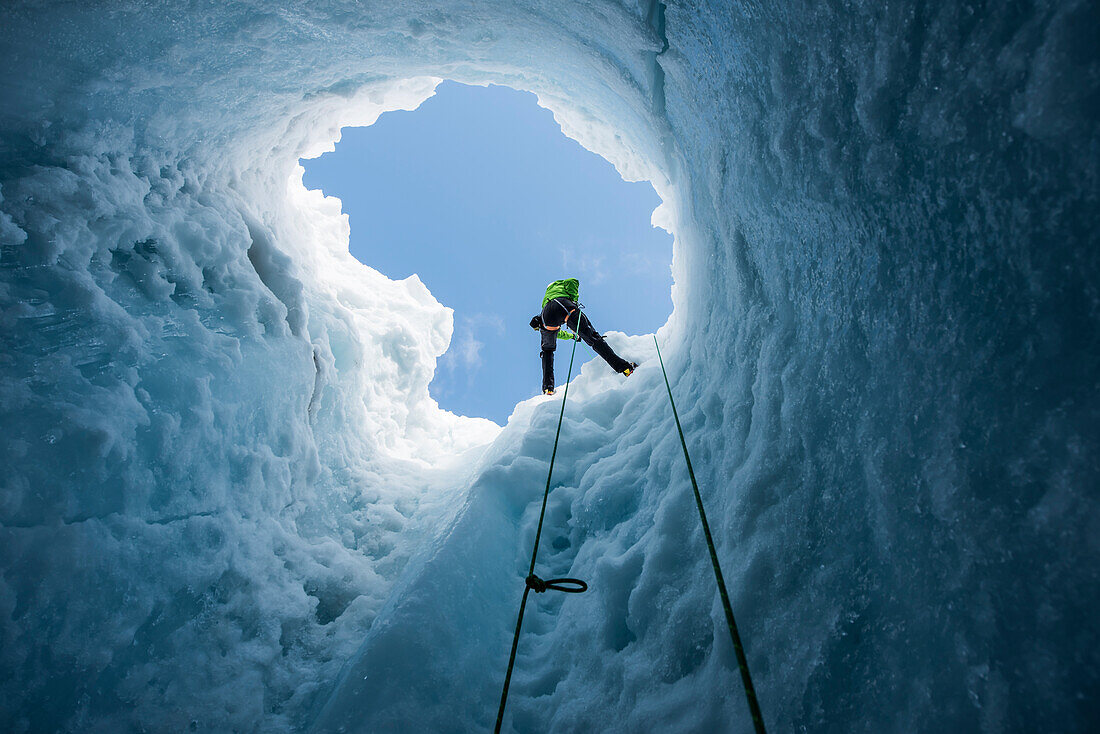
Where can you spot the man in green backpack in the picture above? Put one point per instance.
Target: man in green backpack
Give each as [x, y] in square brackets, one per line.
[559, 306]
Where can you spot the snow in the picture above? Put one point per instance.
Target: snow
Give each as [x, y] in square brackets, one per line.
[229, 503]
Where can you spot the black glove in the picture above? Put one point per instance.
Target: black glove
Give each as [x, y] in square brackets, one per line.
[536, 322]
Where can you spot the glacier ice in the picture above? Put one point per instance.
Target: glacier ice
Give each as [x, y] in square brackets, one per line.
[229, 504]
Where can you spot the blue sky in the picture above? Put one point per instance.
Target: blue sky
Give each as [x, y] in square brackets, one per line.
[480, 194]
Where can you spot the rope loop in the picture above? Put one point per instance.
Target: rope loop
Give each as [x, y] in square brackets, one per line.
[569, 586]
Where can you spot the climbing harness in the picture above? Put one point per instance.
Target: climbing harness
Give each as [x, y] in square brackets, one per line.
[742, 661]
[533, 582]
[568, 311]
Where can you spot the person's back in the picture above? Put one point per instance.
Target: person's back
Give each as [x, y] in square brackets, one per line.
[560, 307]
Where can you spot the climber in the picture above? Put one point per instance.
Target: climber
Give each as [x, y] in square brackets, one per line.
[559, 306]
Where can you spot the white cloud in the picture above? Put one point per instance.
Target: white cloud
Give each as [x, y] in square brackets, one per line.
[469, 352]
[584, 264]
[637, 263]
[465, 350]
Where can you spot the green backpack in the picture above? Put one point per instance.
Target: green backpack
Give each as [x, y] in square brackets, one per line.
[567, 288]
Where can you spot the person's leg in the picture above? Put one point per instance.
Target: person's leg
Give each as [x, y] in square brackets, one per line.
[586, 332]
[549, 344]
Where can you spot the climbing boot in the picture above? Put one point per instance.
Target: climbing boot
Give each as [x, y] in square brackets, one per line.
[630, 369]
[548, 391]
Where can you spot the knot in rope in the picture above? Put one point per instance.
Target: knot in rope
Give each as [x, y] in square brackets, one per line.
[569, 586]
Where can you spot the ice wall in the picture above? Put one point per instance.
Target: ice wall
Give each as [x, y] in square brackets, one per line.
[229, 504]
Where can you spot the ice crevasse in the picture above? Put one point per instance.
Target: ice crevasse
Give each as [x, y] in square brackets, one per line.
[228, 502]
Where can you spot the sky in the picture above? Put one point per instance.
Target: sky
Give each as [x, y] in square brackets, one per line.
[480, 194]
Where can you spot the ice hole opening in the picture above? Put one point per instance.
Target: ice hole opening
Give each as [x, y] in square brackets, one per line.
[479, 193]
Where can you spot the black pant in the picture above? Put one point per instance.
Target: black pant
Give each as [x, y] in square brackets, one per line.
[584, 330]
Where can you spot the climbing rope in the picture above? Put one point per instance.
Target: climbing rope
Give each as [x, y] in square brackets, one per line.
[742, 662]
[533, 582]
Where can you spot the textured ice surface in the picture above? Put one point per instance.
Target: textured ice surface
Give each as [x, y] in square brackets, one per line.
[228, 503]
